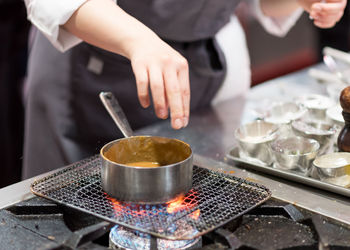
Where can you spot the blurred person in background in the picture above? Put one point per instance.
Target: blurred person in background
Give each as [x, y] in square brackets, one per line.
[13, 56]
[185, 54]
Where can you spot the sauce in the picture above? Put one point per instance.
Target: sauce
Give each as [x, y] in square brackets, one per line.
[145, 164]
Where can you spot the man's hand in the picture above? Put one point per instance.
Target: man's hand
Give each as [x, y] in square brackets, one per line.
[155, 64]
[325, 13]
[162, 69]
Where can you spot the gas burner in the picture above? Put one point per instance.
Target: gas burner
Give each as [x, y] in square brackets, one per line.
[169, 215]
[122, 238]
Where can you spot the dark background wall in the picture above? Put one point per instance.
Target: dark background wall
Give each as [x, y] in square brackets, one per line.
[13, 55]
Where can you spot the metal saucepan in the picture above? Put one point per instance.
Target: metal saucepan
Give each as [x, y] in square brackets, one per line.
[138, 183]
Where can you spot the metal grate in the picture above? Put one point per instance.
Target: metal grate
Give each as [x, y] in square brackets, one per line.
[214, 200]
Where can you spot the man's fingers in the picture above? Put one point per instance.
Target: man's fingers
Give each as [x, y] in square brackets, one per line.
[142, 83]
[326, 21]
[327, 9]
[184, 81]
[158, 92]
[173, 92]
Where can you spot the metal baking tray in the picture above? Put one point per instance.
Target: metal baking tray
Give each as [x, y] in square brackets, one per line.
[233, 156]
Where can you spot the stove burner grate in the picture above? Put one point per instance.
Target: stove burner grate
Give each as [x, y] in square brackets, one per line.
[214, 200]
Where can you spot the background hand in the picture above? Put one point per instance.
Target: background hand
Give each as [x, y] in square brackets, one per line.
[324, 13]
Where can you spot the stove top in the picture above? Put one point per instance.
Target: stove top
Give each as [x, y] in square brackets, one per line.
[41, 224]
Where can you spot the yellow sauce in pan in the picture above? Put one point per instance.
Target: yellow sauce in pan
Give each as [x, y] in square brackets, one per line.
[146, 164]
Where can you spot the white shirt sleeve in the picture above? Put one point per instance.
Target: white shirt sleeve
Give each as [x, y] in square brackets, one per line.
[49, 15]
[275, 26]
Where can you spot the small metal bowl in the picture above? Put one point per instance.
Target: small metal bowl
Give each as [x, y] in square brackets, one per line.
[316, 105]
[334, 168]
[282, 114]
[322, 132]
[295, 153]
[254, 139]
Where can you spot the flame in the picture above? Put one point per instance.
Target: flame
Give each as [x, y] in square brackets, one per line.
[178, 204]
[195, 215]
[181, 203]
[121, 208]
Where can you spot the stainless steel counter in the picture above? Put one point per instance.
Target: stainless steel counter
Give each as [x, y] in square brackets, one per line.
[210, 133]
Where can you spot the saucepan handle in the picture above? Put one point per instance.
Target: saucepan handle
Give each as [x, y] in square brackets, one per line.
[116, 112]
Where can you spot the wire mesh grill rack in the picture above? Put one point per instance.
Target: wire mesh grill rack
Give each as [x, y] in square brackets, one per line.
[214, 200]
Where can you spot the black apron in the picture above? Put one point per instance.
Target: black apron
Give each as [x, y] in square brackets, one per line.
[65, 120]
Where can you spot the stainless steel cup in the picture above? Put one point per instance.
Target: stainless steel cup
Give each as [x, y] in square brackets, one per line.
[334, 168]
[322, 132]
[146, 184]
[254, 139]
[316, 105]
[295, 153]
[282, 114]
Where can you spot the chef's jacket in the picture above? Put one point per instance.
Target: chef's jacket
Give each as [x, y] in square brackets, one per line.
[48, 15]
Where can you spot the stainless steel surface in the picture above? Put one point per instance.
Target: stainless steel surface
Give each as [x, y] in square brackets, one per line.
[19, 191]
[334, 168]
[254, 140]
[146, 184]
[116, 112]
[210, 134]
[320, 131]
[213, 200]
[295, 152]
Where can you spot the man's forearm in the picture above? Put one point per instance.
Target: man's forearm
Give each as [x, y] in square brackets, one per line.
[104, 24]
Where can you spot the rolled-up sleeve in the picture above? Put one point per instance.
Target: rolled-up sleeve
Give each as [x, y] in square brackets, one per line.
[275, 26]
[49, 15]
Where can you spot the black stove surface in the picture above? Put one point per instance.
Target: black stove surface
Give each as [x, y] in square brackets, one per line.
[41, 224]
